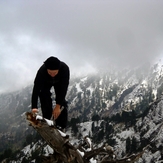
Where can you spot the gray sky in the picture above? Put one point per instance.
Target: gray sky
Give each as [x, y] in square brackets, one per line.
[87, 35]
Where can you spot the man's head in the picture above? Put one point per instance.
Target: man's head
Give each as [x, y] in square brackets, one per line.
[52, 65]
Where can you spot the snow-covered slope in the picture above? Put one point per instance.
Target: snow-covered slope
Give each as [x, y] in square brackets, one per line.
[127, 103]
[126, 137]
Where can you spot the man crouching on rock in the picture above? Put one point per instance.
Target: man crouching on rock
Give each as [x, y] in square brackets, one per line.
[53, 73]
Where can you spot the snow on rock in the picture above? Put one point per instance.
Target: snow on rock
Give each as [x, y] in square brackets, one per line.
[49, 122]
[86, 128]
[81, 153]
[48, 150]
[93, 160]
[62, 133]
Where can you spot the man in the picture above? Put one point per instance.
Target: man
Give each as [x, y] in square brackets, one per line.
[53, 73]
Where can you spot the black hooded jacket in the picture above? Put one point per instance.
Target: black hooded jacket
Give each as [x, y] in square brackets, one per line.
[43, 81]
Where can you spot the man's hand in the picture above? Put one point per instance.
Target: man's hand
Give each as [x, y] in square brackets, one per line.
[56, 111]
[34, 110]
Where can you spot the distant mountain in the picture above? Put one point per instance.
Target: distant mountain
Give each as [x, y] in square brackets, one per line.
[112, 92]
[122, 108]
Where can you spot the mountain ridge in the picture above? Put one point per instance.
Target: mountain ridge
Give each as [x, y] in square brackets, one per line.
[108, 95]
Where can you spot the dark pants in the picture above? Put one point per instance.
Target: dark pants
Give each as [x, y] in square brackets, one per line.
[46, 107]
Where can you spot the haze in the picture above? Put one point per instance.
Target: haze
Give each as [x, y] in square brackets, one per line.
[88, 35]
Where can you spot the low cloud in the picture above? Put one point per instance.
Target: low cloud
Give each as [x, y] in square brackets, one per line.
[87, 35]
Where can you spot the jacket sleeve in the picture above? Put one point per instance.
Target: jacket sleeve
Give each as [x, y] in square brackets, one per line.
[62, 86]
[36, 89]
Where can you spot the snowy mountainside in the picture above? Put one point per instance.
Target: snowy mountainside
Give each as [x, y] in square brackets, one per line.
[110, 93]
[125, 136]
[123, 94]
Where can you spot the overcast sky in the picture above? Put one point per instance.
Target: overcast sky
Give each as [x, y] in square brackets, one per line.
[86, 34]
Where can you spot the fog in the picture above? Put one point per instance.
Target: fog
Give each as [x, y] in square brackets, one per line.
[88, 35]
